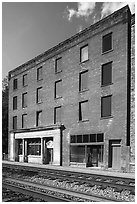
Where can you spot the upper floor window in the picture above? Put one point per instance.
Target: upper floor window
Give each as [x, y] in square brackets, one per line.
[57, 115]
[14, 122]
[107, 42]
[15, 84]
[24, 120]
[83, 111]
[84, 53]
[106, 106]
[83, 81]
[39, 73]
[39, 118]
[58, 65]
[25, 80]
[14, 102]
[24, 100]
[58, 89]
[39, 95]
[106, 74]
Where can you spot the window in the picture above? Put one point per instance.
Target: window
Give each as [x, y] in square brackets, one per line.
[14, 122]
[106, 106]
[14, 102]
[84, 53]
[83, 111]
[39, 73]
[20, 147]
[25, 80]
[87, 138]
[34, 146]
[58, 89]
[39, 95]
[24, 120]
[107, 74]
[107, 42]
[57, 115]
[15, 84]
[83, 81]
[38, 118]
[58, 65]
[24, 100]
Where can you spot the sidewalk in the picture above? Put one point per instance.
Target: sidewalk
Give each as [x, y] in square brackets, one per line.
[76, 169]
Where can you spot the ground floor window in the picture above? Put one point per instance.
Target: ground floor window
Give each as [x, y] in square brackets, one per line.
[20, 145]
[91, 155]
[34, 146]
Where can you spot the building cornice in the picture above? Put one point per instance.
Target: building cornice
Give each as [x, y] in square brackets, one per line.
[114, 18]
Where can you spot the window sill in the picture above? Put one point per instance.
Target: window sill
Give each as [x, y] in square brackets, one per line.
[84, 61]
[25, 85]
[39, 80]
[107, 117]
[58, 72]
[40, 102]
[83, 91]
[106, 85]
[58, 97]
[103, 53]
[24, 107]
[81, 121]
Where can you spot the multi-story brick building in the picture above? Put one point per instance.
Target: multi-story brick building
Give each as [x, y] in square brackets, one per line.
[74, 104]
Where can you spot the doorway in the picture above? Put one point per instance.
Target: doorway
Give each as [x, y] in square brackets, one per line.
[94, 155]
[114, 154]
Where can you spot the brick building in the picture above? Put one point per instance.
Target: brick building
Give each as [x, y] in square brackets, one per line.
[73, 105]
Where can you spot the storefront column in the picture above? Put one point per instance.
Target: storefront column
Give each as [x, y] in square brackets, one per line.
[23, 149]
[11, 147]
[42, 152]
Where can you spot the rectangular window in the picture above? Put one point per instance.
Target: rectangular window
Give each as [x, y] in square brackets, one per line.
[57, 115]
[83, 81]
[34, 146]
[20, 146]
[38, 118]
[25, 80]
[84, 53]
[24, 100]
[83, 111]
[24, 121]
[14, 122]
[15, 84]
[106, 74]
[39, 73]
[39, 95]
[14, 102]
[58, 89]
[107, 42]
[58, 65]
[106, 106]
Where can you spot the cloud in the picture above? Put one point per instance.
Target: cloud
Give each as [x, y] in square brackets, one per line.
[84, 9]
[110, 7]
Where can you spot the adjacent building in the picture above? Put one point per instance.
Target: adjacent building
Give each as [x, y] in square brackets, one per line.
[73, 105]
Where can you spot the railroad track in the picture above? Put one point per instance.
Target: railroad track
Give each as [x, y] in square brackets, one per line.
[98, 187]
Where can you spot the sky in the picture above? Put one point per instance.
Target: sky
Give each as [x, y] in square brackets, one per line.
[31, 28]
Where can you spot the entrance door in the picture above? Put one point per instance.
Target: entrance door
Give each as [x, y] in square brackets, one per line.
[115, 154]
[94, 155]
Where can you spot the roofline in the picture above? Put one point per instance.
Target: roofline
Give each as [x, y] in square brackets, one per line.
[69, 40]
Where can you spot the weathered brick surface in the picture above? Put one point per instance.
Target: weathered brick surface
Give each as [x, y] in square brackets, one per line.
[114, 127]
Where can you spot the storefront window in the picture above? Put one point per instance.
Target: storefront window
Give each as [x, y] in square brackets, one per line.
[20, 143]
[77, 154]
[34, 147]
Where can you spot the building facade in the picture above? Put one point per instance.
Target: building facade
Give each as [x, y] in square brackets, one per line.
[73, 105]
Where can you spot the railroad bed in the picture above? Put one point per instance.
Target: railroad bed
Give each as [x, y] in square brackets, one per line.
[62, 186]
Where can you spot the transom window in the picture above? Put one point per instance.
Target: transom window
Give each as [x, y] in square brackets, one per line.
[58, 65]
[87, 138]
[106, 106]
[84, 53]
[107, 42]
[83, 81]
[107, 74]
[83, 111]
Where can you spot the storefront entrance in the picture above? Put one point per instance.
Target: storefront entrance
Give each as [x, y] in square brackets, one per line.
[94, 155]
